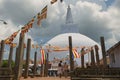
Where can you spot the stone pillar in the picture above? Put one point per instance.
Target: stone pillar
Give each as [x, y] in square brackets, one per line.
[35, 64]
[1, 51]
[20, 57]
[103, 52]
[27, 58]
[42, 72]
[82, 57]
[97, 55]
[10, 57]
[46, 65]
[16, 61]
[71, 54]
[92, 58]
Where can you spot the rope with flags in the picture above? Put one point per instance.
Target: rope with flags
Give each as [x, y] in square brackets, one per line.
[10, 39]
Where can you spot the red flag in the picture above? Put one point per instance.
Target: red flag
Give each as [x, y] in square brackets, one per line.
[42, 56]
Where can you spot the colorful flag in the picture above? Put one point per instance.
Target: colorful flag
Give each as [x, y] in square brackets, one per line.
[37, 46]
[53, 1]
[43, 14]
[7, 41]
[13, 45]
[33, 46]
[30, 23]
[10, 39]
[75, 53]
[15, 34]
[39, 19]
[42, 56]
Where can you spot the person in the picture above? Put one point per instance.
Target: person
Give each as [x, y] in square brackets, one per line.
[60, 69]
[65, 68]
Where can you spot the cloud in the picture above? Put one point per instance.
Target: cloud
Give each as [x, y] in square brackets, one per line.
[89, 16]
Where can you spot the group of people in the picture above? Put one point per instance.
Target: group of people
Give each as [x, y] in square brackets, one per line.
[63, 69]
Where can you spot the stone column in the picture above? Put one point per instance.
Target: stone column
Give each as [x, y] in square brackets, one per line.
[46, 65]
[92, 58]
[97, 55]
[16, 61]
[82, 57]
[71, 54]
[1, 51]
[10, 57]
[35, 64]
[20, 57]
[103, 52]
[27, 58]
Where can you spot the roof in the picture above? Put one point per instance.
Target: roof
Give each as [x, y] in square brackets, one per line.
[113, 47]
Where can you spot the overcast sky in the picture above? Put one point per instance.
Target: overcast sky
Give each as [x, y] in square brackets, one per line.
[94, 18]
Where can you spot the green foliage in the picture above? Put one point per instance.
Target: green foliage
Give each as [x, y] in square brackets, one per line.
[5, 63]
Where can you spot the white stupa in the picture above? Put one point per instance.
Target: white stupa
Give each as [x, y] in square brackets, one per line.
[61, 40]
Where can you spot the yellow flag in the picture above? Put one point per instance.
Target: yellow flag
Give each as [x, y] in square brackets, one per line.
[13, 45]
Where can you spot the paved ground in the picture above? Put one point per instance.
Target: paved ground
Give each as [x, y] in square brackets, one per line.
[46, 78]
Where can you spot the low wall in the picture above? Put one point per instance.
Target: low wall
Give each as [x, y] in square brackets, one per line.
[100, 73]
[6, 74]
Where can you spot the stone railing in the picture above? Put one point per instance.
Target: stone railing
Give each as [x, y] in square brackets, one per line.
[95, 73]
[6, 74]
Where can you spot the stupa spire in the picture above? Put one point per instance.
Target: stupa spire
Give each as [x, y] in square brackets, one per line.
[69, 18]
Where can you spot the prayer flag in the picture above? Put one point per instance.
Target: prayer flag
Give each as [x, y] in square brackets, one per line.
[42, 56]
[75, 53]
[53, 1]
[39, 19]
[43, 14]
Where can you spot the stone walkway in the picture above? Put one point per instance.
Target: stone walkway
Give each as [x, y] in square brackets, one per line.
[46, 78]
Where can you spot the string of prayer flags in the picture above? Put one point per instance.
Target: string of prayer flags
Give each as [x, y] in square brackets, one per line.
[10, 39]
[39, 19]
[13, 45]
[44, 13]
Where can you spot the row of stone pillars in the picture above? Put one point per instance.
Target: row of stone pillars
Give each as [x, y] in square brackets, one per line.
[19, 58]
[93, 63]
[20, 53]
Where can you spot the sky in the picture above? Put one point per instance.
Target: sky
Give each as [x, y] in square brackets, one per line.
[94, 18]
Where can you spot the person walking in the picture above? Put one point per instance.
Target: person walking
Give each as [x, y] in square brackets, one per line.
[60, 69]
[65, 68]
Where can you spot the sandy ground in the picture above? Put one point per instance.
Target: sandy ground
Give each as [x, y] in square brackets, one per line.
[46, 78]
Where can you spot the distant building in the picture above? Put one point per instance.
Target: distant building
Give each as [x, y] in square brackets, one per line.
[114, 55]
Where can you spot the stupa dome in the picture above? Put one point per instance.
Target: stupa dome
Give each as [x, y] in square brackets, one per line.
[61, 41]
[77, 40]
